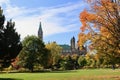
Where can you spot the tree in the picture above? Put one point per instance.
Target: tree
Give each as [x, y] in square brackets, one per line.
[10, 44]
[82, 61]
[67, 63]
[33, 53]
[55, 50]
[102, 23]
[75, 60]
[2, 19]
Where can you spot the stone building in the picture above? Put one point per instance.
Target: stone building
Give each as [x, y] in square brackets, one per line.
[73, 48]
[66, 49]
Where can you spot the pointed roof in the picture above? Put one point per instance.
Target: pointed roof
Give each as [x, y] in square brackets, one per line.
[73, 37]
[40, 28]
[40, 32]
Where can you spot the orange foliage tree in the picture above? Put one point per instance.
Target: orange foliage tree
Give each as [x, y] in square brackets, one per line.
[101, 25]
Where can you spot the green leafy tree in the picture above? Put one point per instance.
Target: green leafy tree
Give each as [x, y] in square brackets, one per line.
[10, 44]
[82, 61]
[33, 53]
[75, 61]
[68, 62]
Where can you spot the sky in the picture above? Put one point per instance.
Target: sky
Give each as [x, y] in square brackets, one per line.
[59, 18]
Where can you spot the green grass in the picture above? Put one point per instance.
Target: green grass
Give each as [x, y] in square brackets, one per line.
[90, 74]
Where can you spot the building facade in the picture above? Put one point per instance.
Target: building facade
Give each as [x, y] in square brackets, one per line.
[66, 49]
[73, 48]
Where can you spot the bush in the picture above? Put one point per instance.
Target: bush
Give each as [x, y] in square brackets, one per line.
[82, 61]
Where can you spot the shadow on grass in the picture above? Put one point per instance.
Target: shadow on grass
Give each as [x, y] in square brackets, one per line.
[10, 79]
[40, 71]
[61, 71]
[67, 71]
[46, 71]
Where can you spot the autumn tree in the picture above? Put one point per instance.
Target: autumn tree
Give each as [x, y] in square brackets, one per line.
[101, 25]
[10, 44]
[55, 50]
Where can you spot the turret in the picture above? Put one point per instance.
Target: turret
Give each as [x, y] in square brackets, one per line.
[73, 44]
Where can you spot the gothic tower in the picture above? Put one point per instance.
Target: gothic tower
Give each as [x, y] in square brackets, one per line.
[40, 32]
[73, 44]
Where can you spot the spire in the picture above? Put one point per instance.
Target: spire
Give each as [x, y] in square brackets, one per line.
[40, 27]
[73, 38]
[40, 32]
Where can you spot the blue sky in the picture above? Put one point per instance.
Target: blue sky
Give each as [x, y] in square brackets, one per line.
[60, 18]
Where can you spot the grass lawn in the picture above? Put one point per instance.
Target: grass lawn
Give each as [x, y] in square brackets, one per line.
[90, 74]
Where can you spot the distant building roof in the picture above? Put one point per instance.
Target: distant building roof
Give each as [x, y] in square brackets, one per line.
[65, 47]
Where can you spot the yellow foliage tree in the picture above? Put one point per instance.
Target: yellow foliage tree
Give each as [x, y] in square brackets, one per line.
[102, 23]
[55, 50]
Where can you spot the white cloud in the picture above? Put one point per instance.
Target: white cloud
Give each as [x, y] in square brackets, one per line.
[13, 12]
[27, 20]
[27, 26]
[4, 2]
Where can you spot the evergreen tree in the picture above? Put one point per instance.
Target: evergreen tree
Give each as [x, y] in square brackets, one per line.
[10, 44]
[2, 19]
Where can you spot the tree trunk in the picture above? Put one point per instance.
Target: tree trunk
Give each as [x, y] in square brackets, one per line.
[113, 66]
